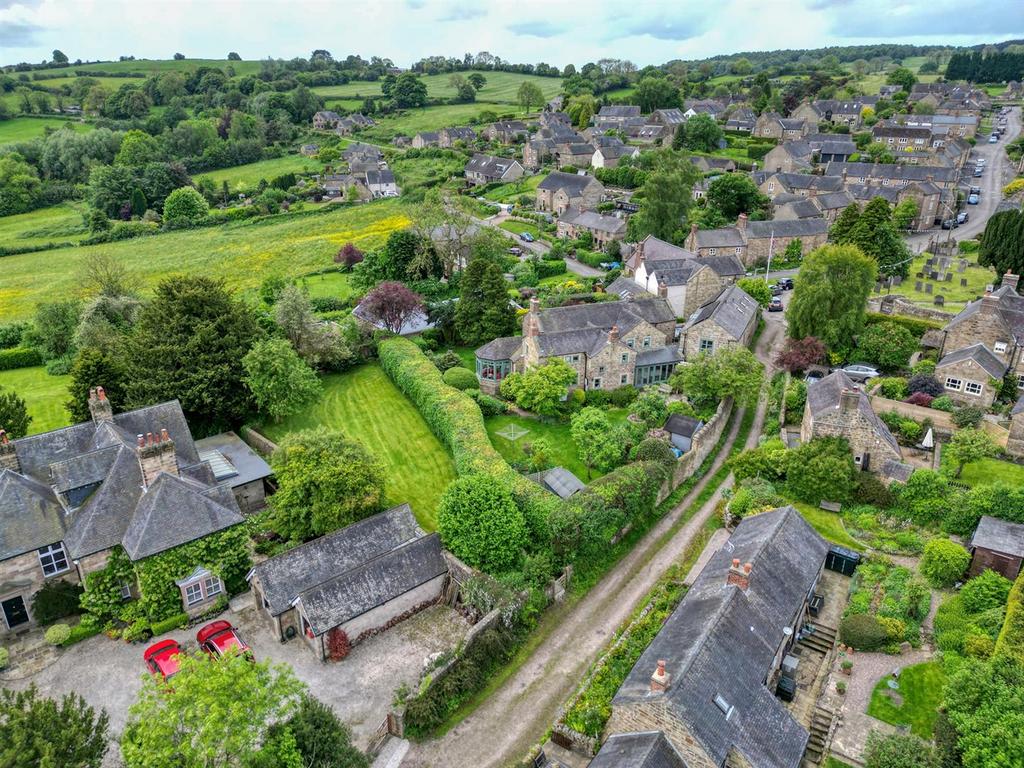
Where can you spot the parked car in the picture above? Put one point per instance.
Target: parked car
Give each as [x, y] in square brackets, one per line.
[812, 376]
[975, 190]
[526, 237]
[949, 224]
[776, 289]
[961, 218]
[973, 200]
[162, 658]
[978, 172]
[775, 305]
[515, 250]
[219, 637]
[786, 283]
[993, 139]
[861, 371]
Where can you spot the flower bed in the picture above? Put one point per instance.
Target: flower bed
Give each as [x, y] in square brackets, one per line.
[894, 597]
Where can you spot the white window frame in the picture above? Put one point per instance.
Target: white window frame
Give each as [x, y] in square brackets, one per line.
[647, 342]
[51, 559]
[712, 251]
[597, 382]
[707, 345]
[999, 347]
[193, 594]
[973, 388]
[126, 590]
[625, 358]
[953, 384]
[630, 342]
[212, 586]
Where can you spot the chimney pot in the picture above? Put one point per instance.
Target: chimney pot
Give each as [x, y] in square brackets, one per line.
[141, 440]
[99, 406]
[1011, 280]
[3, 437]
[747, 568]
[739, 577]
[164, 436]
[613, 334]
[735, 562]
[100, 393]
[660, 679]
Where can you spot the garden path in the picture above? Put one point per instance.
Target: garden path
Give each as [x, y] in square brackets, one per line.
[515, 716]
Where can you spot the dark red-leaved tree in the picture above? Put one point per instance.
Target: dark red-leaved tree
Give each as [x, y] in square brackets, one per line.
[391, 304]
[801, 354]
[349, 256]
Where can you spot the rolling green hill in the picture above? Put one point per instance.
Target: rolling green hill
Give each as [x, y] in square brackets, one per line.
[501, 87]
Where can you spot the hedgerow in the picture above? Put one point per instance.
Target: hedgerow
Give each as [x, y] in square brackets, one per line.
[1011, 638]
[19, 357]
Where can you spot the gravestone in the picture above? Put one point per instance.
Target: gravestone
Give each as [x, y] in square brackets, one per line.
[940, 300]
[919, 274]
[917, 285]
[930, 262]
[949, 277]
[961, 266]
[933, 275]
[963, 282]
[927, 287]
[878, 287]
[897, 280]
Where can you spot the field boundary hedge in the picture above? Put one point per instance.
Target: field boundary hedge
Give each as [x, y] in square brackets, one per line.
[1011, 637]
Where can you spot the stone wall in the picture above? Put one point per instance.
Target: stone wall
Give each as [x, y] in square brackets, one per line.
[704, 441]
[262, 445]
[415, 599]
[1015, 439]
[894, 304]
[758, 247]
[22, 576]
[943, 423]
[654, 715]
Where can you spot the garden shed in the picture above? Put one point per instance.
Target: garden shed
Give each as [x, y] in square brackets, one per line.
[997, 545]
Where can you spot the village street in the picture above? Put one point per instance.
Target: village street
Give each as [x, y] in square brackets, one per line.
[515, 716]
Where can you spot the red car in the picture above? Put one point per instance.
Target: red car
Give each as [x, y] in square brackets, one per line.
[162, 658]
[218, 637]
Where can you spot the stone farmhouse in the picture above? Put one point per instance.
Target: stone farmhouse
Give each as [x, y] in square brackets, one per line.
[487, 169]
[772, 125]
[350, 584]
[803, 154]
[609, 344]
[611, 116]
[950, 126]
[561, 191]
[707, 679]
[727, 321]
[983, 344]
[741, 120]
[536, 152]
[325, 120]
[849, 113]
[506, 131]
[709, 107]
[773, 183]
[447, 137]
[426, 139]
[686, 280]
[578, 155]
[604, 229]
[835, 407]
[135, 481]
[351, 123]
[752, 241]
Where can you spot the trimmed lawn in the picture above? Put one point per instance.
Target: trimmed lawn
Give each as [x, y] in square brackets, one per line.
[518, 227]
[44, 395]
[56, 224]
[525, 185]
[563, 450]
[366, 406]
[241, 253]
[243, 177]
[829, 525]
[921, 691]
[988, 471]
[334, 284]
[956, 296]
[25, 128]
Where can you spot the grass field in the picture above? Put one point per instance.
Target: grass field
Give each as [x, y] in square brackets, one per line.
[44, 395]
[56, 224]
[242, 253]
[955, 295]
[500, 88]
[524, 185]
[413, 172]
[558, 436]
[25, 128]
[149, 66]
[330, 284]
[829, 525]
[988, 471]
[111, 83]
[366, 406]
[921, 693]
[413, 121]
[243, 177]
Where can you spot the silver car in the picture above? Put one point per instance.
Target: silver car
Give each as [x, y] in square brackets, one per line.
[861, 371]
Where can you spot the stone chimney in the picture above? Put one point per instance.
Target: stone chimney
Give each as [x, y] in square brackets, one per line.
[531, 325]
[989, 304]
[661, 679]
[844, 175]
[848, 400]
[613, 334]
[663, 289]
[639, 255]
[1011, 280]
[156, 454]
[738, 576]
[99, 406]
[741, 222]
[8, 457]
[691, 241]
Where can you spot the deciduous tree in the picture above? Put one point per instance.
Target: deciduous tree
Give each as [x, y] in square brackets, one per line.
[481, 524]
[392, 305]
[800, 354]
[667, 199]
[968, 445]
[14, 418]
[596, 443]
[710, 378]
[889, 345]
[542, 388]
[281, 382]
[325, 482]
[92, 368]
[528, 95]
[735, 193]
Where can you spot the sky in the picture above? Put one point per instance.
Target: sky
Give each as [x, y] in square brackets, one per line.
[557, 32]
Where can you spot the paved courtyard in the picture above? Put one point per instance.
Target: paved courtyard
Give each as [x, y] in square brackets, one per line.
[109, 673]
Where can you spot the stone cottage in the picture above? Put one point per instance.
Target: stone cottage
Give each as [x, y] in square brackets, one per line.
[341, 588]
[727, 321]
[561, 191]
[835, 407]
[135, 481]
[486, 169]
[609, 344]
[707, 679]
[603, 229]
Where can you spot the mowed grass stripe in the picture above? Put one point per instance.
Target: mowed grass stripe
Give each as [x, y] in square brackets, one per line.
[367, 406]
[44, 396]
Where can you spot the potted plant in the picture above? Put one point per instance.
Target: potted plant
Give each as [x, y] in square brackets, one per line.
[847, 666]
[840, 687]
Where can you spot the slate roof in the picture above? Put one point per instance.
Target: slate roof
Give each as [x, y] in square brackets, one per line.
[891, 171]
[489, 166]
[614, 150]
[344, 574]
[573, 184]
[603, 315]
[560, 481]
[670, 116]
[833, 200]
[825, 395]
[792, 181]
[733, 310]
[625, 287]
[430, 136]
[382, 176]
[649, 749]
[897, 470]
[1018, 407]
[721, 642]
[596, 221]
[999, 536]
[619, 111]
[723, 237]
[667, 354]
[797, 210]
[463, 133]
[1010, 307]
[788, 228]
[359, 148]
[500, 349]
[680, 424]
[31, 516]
[981, 355]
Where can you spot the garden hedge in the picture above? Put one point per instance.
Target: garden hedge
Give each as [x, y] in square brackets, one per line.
[1011, 637]
[19, 357]
[916, 326]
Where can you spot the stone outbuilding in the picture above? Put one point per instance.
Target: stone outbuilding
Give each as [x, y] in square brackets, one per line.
[997, 545]
[339, 589]
[727, 321]
[972, 375]
[239, 466]
[561, 191]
